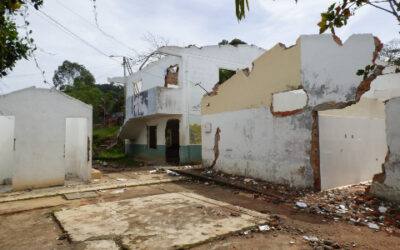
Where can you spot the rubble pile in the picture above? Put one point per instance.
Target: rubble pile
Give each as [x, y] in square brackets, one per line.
[352, 205]
[321, 244]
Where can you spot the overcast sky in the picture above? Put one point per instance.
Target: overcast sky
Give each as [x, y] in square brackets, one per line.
[182, 22]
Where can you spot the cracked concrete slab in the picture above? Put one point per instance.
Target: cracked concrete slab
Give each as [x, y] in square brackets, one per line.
[140, 180]
[160, 221]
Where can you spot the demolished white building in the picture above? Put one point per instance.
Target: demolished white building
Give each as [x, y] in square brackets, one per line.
[302, 117]
[45, 137]
[162, 121]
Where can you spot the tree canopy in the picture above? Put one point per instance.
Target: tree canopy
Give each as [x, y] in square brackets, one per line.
[69, 73]
[234, 42]
[391, 52]
[13, 45]
[75, 80]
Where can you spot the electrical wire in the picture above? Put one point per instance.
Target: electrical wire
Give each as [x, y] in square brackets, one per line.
[68, 31]
[97, 27]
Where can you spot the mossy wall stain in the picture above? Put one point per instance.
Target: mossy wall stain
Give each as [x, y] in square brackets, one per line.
[195, 133]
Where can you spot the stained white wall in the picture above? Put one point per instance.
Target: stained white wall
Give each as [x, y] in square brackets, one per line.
[329, 69]
[76, 147]
[255, 144]
[6, 147]
[40, 135]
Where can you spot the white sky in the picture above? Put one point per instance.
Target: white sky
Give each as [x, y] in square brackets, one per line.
[182, 22]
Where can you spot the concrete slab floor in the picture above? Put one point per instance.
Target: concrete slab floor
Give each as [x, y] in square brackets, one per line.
[143, 178]
[161, 221]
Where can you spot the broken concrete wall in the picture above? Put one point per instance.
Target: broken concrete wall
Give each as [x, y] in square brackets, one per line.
[387, 183]
[257, 143]
[39, 132]
[171, 76]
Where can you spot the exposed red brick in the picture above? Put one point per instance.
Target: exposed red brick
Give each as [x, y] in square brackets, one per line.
[216, 146]
[171, 77]
[378, 47]
[286, 113]
[314, 156]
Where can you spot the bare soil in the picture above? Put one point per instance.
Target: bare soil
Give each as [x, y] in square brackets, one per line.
[37, 229]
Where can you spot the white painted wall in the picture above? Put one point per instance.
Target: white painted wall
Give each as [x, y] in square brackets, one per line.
[40, 135]
[328, 69]
[352, 149]
[76, 147]
[6, 147]
[255, 144]
[289, 101]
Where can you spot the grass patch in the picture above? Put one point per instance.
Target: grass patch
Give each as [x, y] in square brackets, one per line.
[116, 155]
[100, 134]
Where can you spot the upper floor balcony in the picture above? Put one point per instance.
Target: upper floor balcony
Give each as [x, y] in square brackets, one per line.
[154, 101]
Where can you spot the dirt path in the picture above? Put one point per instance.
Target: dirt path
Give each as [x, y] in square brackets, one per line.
[37, 229]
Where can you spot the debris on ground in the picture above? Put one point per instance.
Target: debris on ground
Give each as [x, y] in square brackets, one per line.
[349, 204]
[301, 204]
[170, 172]
[118, 191]
[272, 192]
[264, 228]
[121, 179]
[352, 205]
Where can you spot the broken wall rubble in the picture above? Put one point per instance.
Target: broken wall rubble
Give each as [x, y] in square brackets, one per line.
[257, 143]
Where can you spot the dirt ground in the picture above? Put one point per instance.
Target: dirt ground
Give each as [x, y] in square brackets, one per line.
[36, 227]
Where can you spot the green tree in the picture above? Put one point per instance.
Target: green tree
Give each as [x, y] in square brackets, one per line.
[69, 73]
[88, 94]
[337, 14]
[391, 52]
[234, 42]
[76, 81]
[13, 45]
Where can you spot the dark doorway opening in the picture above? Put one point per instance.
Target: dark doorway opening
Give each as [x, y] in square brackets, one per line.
[152, 137]
[172, 141]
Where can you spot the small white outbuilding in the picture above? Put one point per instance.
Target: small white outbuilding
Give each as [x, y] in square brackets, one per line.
[45, 137]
